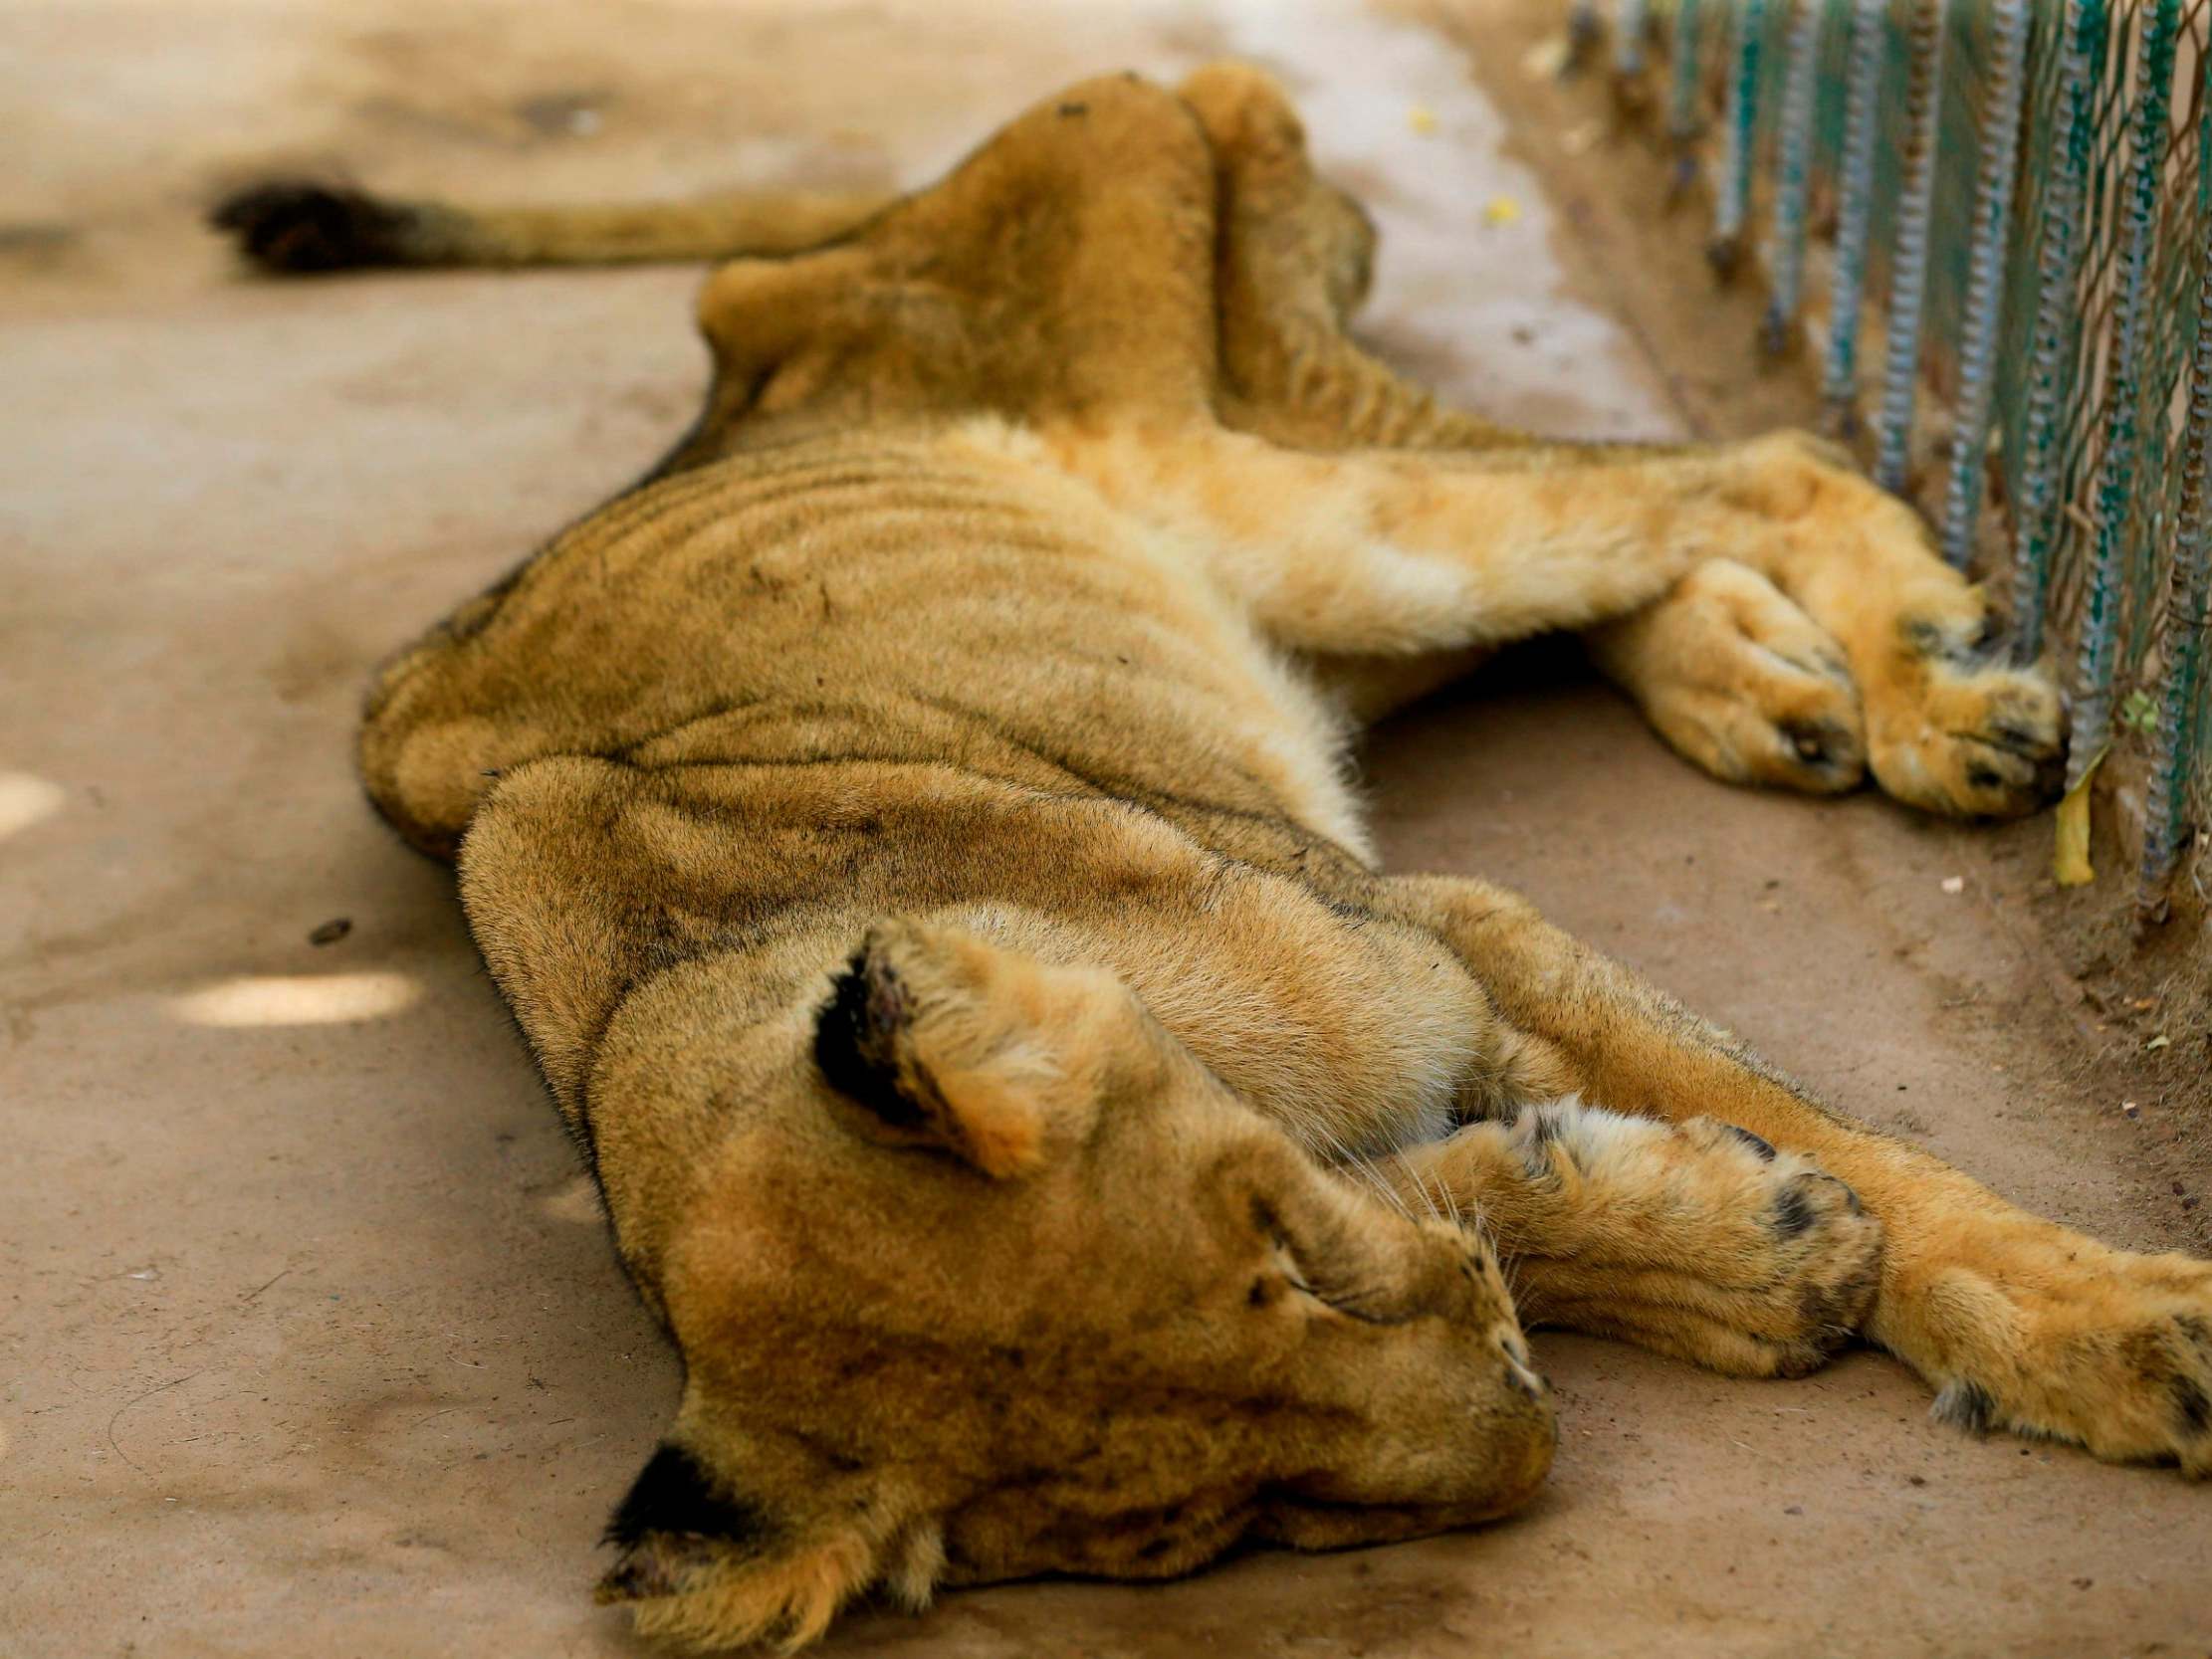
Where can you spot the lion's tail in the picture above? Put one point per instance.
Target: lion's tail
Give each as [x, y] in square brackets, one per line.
[298, 224]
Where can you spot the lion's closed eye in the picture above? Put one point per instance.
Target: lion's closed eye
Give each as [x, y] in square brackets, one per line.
[1309, 1271]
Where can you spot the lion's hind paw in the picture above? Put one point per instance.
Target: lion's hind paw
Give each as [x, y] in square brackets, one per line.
[2116, 1359]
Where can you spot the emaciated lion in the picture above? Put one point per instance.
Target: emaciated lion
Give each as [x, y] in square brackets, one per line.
[910, 828]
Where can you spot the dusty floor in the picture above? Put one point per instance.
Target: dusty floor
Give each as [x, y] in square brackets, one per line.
[312, 1342]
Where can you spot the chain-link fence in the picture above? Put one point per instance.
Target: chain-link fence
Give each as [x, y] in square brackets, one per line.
[1992, 222]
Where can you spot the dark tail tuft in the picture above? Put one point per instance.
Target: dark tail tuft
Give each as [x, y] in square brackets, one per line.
[294, 225]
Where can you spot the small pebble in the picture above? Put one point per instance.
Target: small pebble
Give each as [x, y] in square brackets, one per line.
[1954, 884]
[331, 930]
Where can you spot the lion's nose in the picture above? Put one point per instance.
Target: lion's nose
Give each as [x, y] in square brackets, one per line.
[1520, 1374]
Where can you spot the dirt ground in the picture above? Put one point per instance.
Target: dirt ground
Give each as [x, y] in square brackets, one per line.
[313, 1340]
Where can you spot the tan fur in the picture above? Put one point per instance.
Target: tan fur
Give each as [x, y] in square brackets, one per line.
[909, 830]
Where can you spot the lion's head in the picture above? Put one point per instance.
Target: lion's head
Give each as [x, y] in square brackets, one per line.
[1006, 1282]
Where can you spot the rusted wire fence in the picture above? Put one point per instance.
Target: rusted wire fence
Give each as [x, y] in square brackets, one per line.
[1991, 221]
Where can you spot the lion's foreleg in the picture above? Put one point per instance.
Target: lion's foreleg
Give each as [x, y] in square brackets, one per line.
[1399, 554]
[1790, 621]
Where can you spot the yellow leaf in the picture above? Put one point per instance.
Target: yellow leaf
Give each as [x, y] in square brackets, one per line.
[2069, 862]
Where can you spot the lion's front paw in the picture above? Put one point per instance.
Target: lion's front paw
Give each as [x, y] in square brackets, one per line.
[1741, 681]
[1951, 730]
[2055, 1336]
[1796, 1256]
[1698, 1240]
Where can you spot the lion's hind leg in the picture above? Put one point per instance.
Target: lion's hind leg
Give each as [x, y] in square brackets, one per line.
[1294, 260]
[2018, 1322]
[1697, 1239]
[1741, 681]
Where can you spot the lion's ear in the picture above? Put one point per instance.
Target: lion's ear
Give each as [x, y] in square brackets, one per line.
[703, 1566]
[944, 1040]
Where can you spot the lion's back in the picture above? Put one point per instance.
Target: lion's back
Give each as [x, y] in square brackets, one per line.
[932, 598]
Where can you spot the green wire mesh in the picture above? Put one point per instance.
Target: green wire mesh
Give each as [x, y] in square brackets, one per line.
[2054, 286]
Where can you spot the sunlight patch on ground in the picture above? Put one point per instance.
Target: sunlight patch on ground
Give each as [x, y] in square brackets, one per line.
[575, 1200]
[26, 800]
[297, 999]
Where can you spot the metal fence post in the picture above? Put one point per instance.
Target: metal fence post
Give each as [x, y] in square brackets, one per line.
[2058, 293]
[2189, 591]
[1908, 265]
[1735, 197]
[1631, 23]
[1855, 187]
[1985, 281]
[1794, 169]
[1682, 76]
[2115, 478]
